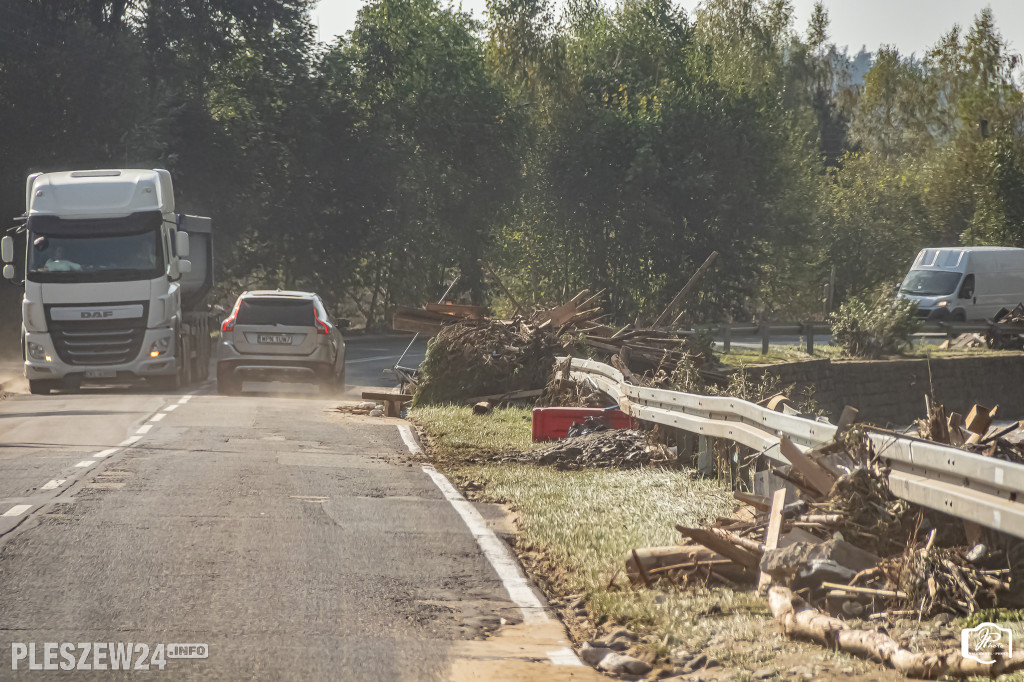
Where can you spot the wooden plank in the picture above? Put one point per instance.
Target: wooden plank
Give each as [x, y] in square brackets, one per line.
[847, 418]
[503, 397]
[457, 309]
[685, 291]
[771, 536]
[721, 546]
[755, 501]
[815, 474]
[381, 395]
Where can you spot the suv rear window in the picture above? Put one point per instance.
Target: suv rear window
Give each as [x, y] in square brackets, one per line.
[290, 313]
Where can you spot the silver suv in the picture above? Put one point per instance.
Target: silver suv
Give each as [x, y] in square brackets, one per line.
[282, 336]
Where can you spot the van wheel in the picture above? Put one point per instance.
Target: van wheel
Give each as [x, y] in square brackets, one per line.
[958, 316]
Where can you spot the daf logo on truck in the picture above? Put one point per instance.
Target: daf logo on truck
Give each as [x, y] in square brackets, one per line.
[98, 313]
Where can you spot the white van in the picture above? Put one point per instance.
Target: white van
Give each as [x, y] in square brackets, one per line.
[965, 283]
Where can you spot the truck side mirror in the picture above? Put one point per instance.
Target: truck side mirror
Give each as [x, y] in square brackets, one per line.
[7, 250]
[184, 266]
[181, 245]
[8, 271]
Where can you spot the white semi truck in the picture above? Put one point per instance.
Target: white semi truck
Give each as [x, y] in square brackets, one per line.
[114, 281]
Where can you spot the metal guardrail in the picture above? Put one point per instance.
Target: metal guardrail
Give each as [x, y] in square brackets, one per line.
[725, 333]
[984, 490]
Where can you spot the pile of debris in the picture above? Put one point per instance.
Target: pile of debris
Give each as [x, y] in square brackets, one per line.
[478, 359]
[592, 448]
[1007, 330]
[466, 362]
[846, 543]
[976, 434]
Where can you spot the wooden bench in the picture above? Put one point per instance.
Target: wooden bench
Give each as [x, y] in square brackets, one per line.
[392, 401]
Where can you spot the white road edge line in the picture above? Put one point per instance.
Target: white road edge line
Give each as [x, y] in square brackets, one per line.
[129, 441]
[158, 417]
[17, 510]
[144, 428]
[55, 483]
[565, 656]
[410, 439]
[497, 553]
[85, 463]
[106, 453]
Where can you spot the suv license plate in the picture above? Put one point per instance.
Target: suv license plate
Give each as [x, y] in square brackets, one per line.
[100, 374]
[274, 338]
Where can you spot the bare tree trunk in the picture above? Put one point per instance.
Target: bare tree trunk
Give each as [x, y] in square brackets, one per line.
[799, 620]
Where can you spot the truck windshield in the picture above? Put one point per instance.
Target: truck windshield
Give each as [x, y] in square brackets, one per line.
[95, 259]
[930, 282]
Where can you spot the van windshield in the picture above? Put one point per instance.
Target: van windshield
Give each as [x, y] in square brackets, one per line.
[930, 282]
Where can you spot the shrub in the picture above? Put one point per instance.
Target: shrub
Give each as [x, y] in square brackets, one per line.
[874, 324]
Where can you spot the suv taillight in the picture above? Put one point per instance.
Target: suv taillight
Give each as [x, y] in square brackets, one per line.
[229, 324]
[321, 326]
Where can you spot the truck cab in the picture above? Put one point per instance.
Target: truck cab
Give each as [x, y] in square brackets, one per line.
[108, 282]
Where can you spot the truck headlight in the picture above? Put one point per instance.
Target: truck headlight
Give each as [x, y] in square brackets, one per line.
[36, 351]
[159, 347]
[942, 304]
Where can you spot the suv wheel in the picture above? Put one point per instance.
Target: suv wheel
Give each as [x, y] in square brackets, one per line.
[227, 384]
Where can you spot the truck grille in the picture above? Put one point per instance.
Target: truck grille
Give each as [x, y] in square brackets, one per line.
[98, 346]
[98, 342]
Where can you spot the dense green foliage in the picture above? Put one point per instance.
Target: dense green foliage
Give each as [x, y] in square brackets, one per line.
[603, 147]
[874, 324]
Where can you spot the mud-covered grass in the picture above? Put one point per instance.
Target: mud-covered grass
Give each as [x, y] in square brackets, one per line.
[457, 436]
[576, 527]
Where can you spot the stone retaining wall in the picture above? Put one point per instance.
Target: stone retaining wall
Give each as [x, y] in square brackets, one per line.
[891, 392]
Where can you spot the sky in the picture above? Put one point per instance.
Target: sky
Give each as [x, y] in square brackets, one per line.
[911, 25]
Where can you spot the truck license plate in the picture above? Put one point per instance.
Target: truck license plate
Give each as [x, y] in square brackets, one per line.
[275, 338]
[100, 374]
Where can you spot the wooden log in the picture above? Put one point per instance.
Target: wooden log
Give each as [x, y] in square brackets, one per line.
[721, 546]
[771, 536]
[755, 501]
[800, 621]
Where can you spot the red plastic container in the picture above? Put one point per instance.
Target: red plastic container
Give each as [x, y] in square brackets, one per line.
[552, 423]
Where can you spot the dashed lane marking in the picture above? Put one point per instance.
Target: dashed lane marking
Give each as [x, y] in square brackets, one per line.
[171, 408]
[144, 428]
[129, 441]
[55, 483]
[85, 463]
[106, 453]
[17, 510]
[158, 417]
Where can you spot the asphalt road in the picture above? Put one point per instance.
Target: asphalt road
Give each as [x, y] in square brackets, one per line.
[294, 541]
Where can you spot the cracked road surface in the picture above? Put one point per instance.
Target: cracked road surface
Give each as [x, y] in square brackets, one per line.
[296, 542]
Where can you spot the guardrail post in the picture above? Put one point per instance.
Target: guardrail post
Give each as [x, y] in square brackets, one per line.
[809, 333]
[705, 457]
[765, 330]
[726, 337]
